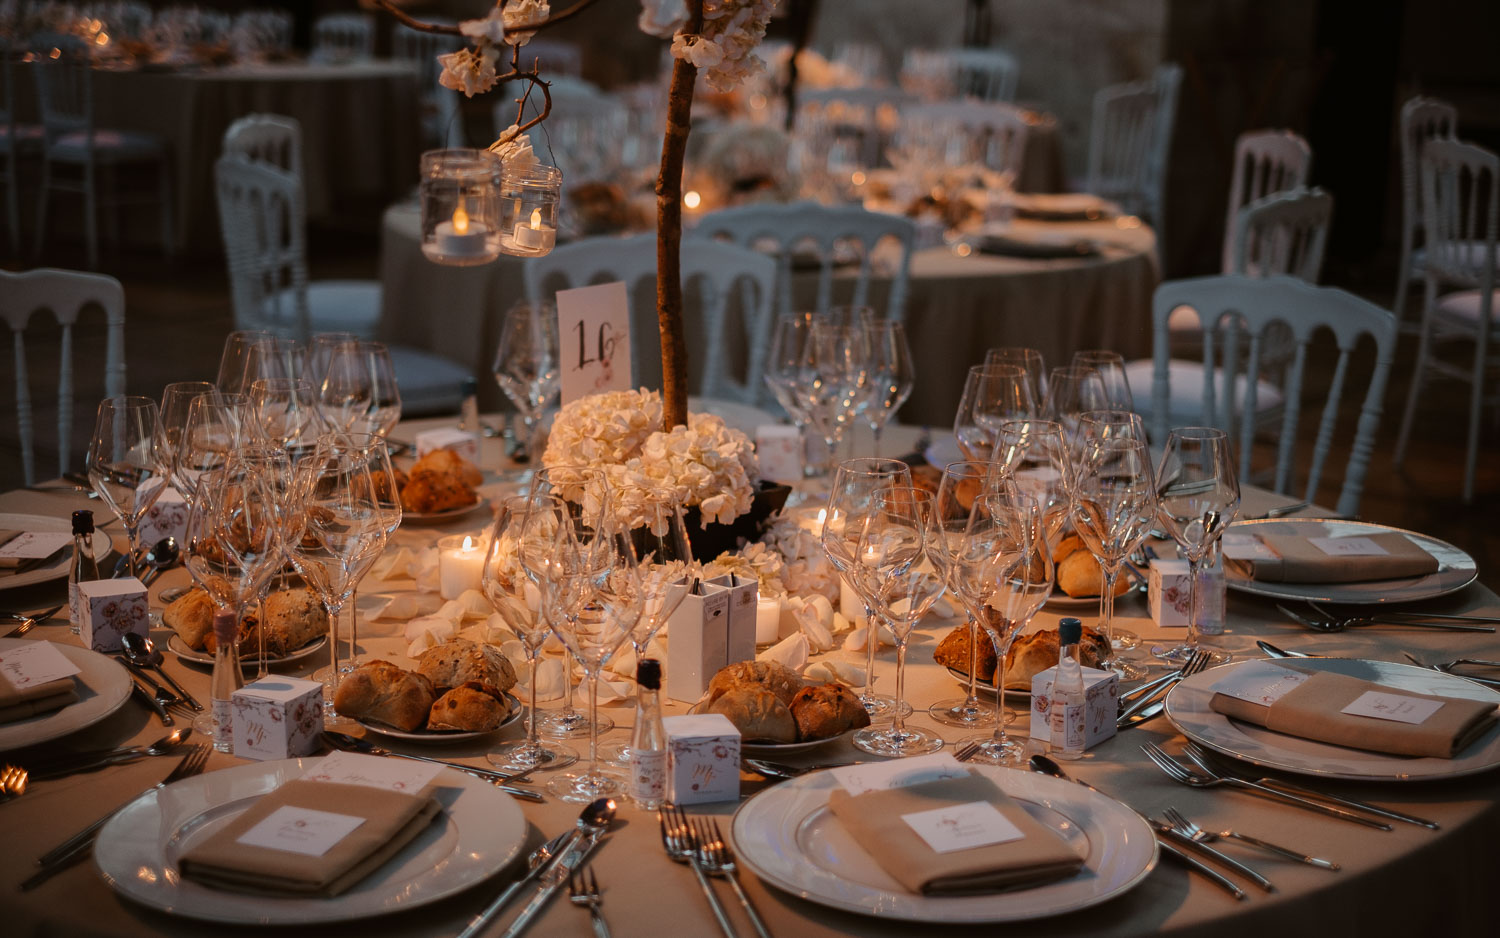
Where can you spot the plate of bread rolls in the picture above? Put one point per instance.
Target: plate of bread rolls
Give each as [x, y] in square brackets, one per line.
[294, 620]
[777, 712]
[458, 690]
[439, 487]
[1028, 655]
[1079, 579]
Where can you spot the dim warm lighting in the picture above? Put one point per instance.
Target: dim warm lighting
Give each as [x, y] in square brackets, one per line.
[963, 249]
[857, 177]
[692, 199]
[460, 221]
[536, 219]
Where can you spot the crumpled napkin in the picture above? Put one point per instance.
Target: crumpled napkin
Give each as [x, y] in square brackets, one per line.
[792, 652]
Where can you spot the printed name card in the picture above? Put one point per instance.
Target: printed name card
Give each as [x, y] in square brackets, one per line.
[1348, 546]
[352, 768]
[300, 830]
[593, 337]
[33, 545]
[35, 663]
[1396, 707]
[1239, 546]
[962, 826]
[898, 773]
[1259, 682]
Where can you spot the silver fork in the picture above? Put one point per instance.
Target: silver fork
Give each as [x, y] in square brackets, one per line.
[1179, 821]
[717, 859]
[1199, 660]
[583, 889]
[968, 752]
[677, 838]
[1181, 774]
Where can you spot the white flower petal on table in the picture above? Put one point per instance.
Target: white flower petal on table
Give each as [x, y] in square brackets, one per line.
[831, 670]
[791, 652]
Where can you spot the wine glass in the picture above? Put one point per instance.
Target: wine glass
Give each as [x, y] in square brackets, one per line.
[963, 486]
[281, 411]
[385, 394]
[892, 375]
[1114, 506]
[895, 545]
[527, 367]
[320, 352]
[126, 464]
[215, 428]
[1036, 459]
[519, 557]
[1197, 497]
[1111, 368]
[1071, 392]
[783, 365]
[1016, 574]
[233, 359]
[850, 509]
[992, 395]
[385, 502]
[271, 357]
[250, 514]
[1095, 425]
[831, 381]
[1028, 360]
[176, 400]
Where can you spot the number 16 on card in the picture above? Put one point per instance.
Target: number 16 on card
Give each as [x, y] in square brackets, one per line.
[593, 328]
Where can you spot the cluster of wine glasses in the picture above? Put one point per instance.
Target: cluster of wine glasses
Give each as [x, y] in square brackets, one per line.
[527, 368]
[832, 372]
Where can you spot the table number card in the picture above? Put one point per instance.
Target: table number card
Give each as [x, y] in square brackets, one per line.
[593, 336]
[35, 663]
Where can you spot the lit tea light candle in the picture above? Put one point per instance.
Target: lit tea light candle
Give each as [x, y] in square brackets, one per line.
[691, 199]
[814, 524]
[535, 236]
[462, 237]
[767, 620]
[460, 565]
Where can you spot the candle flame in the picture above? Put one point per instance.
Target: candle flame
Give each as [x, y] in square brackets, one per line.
[461, 226]
[822, 515]
[468, 541]
[536, 219]
[692, 199]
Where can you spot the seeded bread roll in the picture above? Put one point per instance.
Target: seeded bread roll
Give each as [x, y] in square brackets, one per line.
[291, 619]
[191, 615]
[768, 675]
[757, 713]
[470, 706]
[953, 652]
[429, 491]
[1034, 652]
[446, 460]
[826, 710]
[385, 693]
[460, 661]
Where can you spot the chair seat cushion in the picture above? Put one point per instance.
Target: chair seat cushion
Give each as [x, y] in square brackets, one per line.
[339, 305]
[1473, 256]
[429, 383]
[1465, 304]
[1185, 391]
[110, 146]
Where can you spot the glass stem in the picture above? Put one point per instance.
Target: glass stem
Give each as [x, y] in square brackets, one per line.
[872, 642]
[593, 679]
[999, 737]
[567, 708]
[334, 611]
[260, 640]
[1107, 603]
[534, 658]
[133, 536]
[971, 700]
[1194, 610]
[898, 722]
[877, 428]
[353, 628]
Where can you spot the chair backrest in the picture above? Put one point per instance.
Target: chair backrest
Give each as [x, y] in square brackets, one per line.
[267, 138]
[987, 74]
[997, 127]
[1122, 143]
[64, 85]
[265, 244]
[556, 56]
[64, 293]
[1460, 210]
[850, 111]
[441, 121]
[1422, 119]
[1265, 161]
[343, 37]
[718, 270]
[1302, 308]
[784, 230]
[1284, 233]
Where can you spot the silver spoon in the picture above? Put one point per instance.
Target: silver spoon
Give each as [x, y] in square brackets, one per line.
[142, 652]
[162, 556]
[86, 761]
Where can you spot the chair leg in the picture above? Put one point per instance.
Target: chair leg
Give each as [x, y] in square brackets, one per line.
[1424, 347]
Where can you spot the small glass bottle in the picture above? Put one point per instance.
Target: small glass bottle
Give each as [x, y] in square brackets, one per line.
[85, 565]
[226, 677]
[1068, 710]
[648, 741]
[468, 412]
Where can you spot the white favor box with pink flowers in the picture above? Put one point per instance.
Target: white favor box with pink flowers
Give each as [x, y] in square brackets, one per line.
[110, 608]
[703, 758]
[167, 517]
[277, 717]
[1101, 698]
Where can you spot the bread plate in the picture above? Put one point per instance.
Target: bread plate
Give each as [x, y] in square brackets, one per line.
[439, 517]
[249, 654]
[762, 748]
[440, 737]
[985, 688]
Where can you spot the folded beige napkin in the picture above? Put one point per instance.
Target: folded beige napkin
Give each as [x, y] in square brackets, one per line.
[1302, 562]
[1313, 710]
[17, 704]
[391, 820]
[874, 819]
[9, 563]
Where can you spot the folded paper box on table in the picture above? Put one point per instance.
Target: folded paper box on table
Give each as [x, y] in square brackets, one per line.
[744, 595]
[1167, 593]
[277, 717]
[110, 608]
[1101, 705]
[703, 758]
[778, 452]
[167, 517]
[697, 642]
[461, 442]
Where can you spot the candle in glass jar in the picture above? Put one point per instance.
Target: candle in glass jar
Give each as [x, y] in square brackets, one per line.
[535, 236]
[850, 604]
[461, 237]
[814, 525]
[767, 620]
[460, 565]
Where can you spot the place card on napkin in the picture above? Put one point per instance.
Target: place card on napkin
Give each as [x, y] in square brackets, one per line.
[1383, 556]
[1338, 709]
[35, 678]
[17, 547]
[309, 838]
[954, 836]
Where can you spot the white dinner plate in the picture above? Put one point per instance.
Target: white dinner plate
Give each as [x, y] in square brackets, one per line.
[1456, 569]
[106, 547]
[787, 836]
[103, 687]
[984, 688]
[249, 658]
[1188, 709]
[438, 737]
[440, 517]
[772, 750]
[478, 832]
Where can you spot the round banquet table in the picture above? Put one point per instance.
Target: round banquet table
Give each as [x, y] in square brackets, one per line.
[1409, 881]
[957, 306]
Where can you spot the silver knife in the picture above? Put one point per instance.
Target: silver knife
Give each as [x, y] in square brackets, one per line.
[1201, 868]
[1151, 712]
[553, 880]
[1183, 840]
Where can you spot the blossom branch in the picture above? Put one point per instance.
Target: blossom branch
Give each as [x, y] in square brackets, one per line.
[669, 232]
[406, 19]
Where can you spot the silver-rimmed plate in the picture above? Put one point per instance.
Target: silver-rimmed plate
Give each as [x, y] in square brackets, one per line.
[441, 517]
[986, 689]
[479, 831]
[249, 658]
[438, 737]
[1456, 569]
[772, 750]
[787, 836]
[102, 685]
[1188, 709]
[106, 547]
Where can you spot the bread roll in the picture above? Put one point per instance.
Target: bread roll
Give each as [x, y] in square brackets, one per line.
[446, 460]
[953, 652]
[385, 693]
[1034, 652]
[470, 706]
[427, 492]
[768, 675]
[460, 661]
[1079, 576]
[757, 713]
[291, 618]
[191, 615]
[826, 710]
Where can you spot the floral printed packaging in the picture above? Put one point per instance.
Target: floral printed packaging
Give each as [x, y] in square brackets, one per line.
[1167, 593]
[110, 608]
[277, 717]
[167, 516]
[703, 759]
[1101, 695]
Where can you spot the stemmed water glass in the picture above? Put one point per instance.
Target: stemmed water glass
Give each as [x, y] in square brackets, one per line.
[214, 429]
[527, 367]
[126, 464]
[892, 375]
[992, 395]
[1197, 497]
[234, 358]
[1036, 459]
[385, 501]
[518, 560]
[1111, 368]
[783, 365]
[281, 411]
[1114, 505]
[1028, 360]
[176, 401]
[1073, 391]
[851, 508]
[832, 380]
[895, 545]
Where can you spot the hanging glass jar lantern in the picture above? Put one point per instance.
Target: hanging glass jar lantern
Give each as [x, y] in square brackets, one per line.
[461, 223]
[529, 198]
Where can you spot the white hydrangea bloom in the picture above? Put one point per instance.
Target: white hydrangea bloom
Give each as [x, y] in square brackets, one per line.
[725, 48]
[491, 28]
[471, 71]
[662, 17]
[519, 14]
[807, 569]
[514, 148]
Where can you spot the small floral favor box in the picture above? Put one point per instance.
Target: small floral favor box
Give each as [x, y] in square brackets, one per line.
[461, 442]
[1167, 594]
[1101, 695]
[167, 516]
[703, 758]
[110, 608]
[277, 717]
